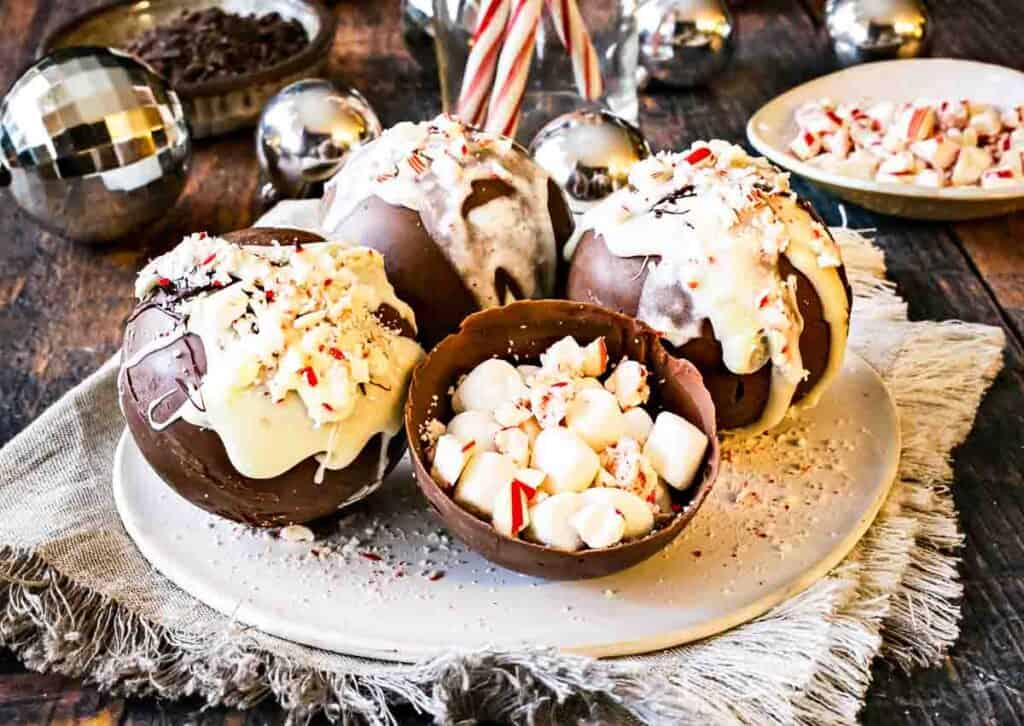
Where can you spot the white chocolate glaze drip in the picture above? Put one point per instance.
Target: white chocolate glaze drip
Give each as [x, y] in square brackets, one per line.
[719, 220]
[430, 168]
[298, 361]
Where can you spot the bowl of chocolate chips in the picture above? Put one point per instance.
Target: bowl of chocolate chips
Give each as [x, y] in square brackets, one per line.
[225, 58]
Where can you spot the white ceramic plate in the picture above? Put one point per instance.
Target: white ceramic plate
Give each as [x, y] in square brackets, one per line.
[772, 128]
[389, 583]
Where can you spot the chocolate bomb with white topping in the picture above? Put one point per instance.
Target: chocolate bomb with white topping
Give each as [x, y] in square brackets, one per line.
[465, 220]
[711, 248]
[263, 375]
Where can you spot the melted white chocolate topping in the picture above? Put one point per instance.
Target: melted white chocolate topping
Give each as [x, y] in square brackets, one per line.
[719, 220]
[430, 168]
[298, 362]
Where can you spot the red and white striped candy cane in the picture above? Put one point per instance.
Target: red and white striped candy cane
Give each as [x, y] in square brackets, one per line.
[513, 67]
[483, 58]
[572, 31]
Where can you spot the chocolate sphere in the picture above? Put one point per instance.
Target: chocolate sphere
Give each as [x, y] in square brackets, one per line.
[669, 209]
[465, 220]
[157, 379]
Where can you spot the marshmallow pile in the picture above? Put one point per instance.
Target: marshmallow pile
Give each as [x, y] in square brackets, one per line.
[564, 454]
[927, 143]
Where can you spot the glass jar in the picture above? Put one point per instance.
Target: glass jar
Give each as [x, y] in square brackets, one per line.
[550, 88]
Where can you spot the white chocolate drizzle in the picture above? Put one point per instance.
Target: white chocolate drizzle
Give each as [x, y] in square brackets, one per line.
[298, 362]
[430, 167]
[719, 220]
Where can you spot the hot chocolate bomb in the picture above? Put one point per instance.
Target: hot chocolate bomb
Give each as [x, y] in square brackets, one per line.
[711, 248]
[465, 219]
[266, 383]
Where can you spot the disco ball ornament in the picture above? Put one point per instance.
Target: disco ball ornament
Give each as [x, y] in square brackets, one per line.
[305, 133]
[589, 154]
[94, 143]
[684, 43]
[870, 30]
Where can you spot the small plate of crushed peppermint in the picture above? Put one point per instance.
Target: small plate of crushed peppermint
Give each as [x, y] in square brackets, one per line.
[225, 59]
[934, 138]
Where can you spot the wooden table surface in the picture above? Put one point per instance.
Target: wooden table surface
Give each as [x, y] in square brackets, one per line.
[62, 307]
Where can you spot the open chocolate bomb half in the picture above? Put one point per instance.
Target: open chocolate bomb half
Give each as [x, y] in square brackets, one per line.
[521, 331]
[156, 379]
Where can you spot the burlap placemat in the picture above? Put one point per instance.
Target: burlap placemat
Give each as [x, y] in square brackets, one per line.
[76, 597]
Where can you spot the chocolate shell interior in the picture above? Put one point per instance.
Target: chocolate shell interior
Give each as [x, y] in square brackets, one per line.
[192, 460]
[522, 331]
[600, 277]
[422, 274]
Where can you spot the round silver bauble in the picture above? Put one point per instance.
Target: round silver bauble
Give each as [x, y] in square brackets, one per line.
[684, 42]
[305, 133]
[93, 143]
[589, 154]
[869, 30]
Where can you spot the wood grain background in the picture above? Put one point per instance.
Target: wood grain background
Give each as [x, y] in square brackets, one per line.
[62, 307]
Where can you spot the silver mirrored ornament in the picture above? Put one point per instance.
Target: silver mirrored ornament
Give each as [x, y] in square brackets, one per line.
[94, 143]
[869, 30]
[684, 42]
[418, 31]
[589, 154]
[306, 131]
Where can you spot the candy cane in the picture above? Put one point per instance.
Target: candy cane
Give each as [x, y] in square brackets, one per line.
[572, 31]
[513, 67]
[483, 57]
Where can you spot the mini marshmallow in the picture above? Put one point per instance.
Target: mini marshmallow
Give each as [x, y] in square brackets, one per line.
[488, 386]
[450, 457]
[636, 513]
[513, 412]
[663, 497]
[675, 449]
[481, 480]
[528, 371]
[940, 152]
[629, 384]
[550, 525]
[533, 478]
[638, 424]
[569, 462]
[594, 414]
[628, 468]
[970, 165]
[565, 355]
[599, 525]
[550, 403]
[588, 382]
[595, 358]
[882, 112]
[511, 509]
[515, 444]
[531, 428]
[476, 426]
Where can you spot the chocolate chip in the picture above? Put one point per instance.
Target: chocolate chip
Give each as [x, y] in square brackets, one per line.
[209, 44]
